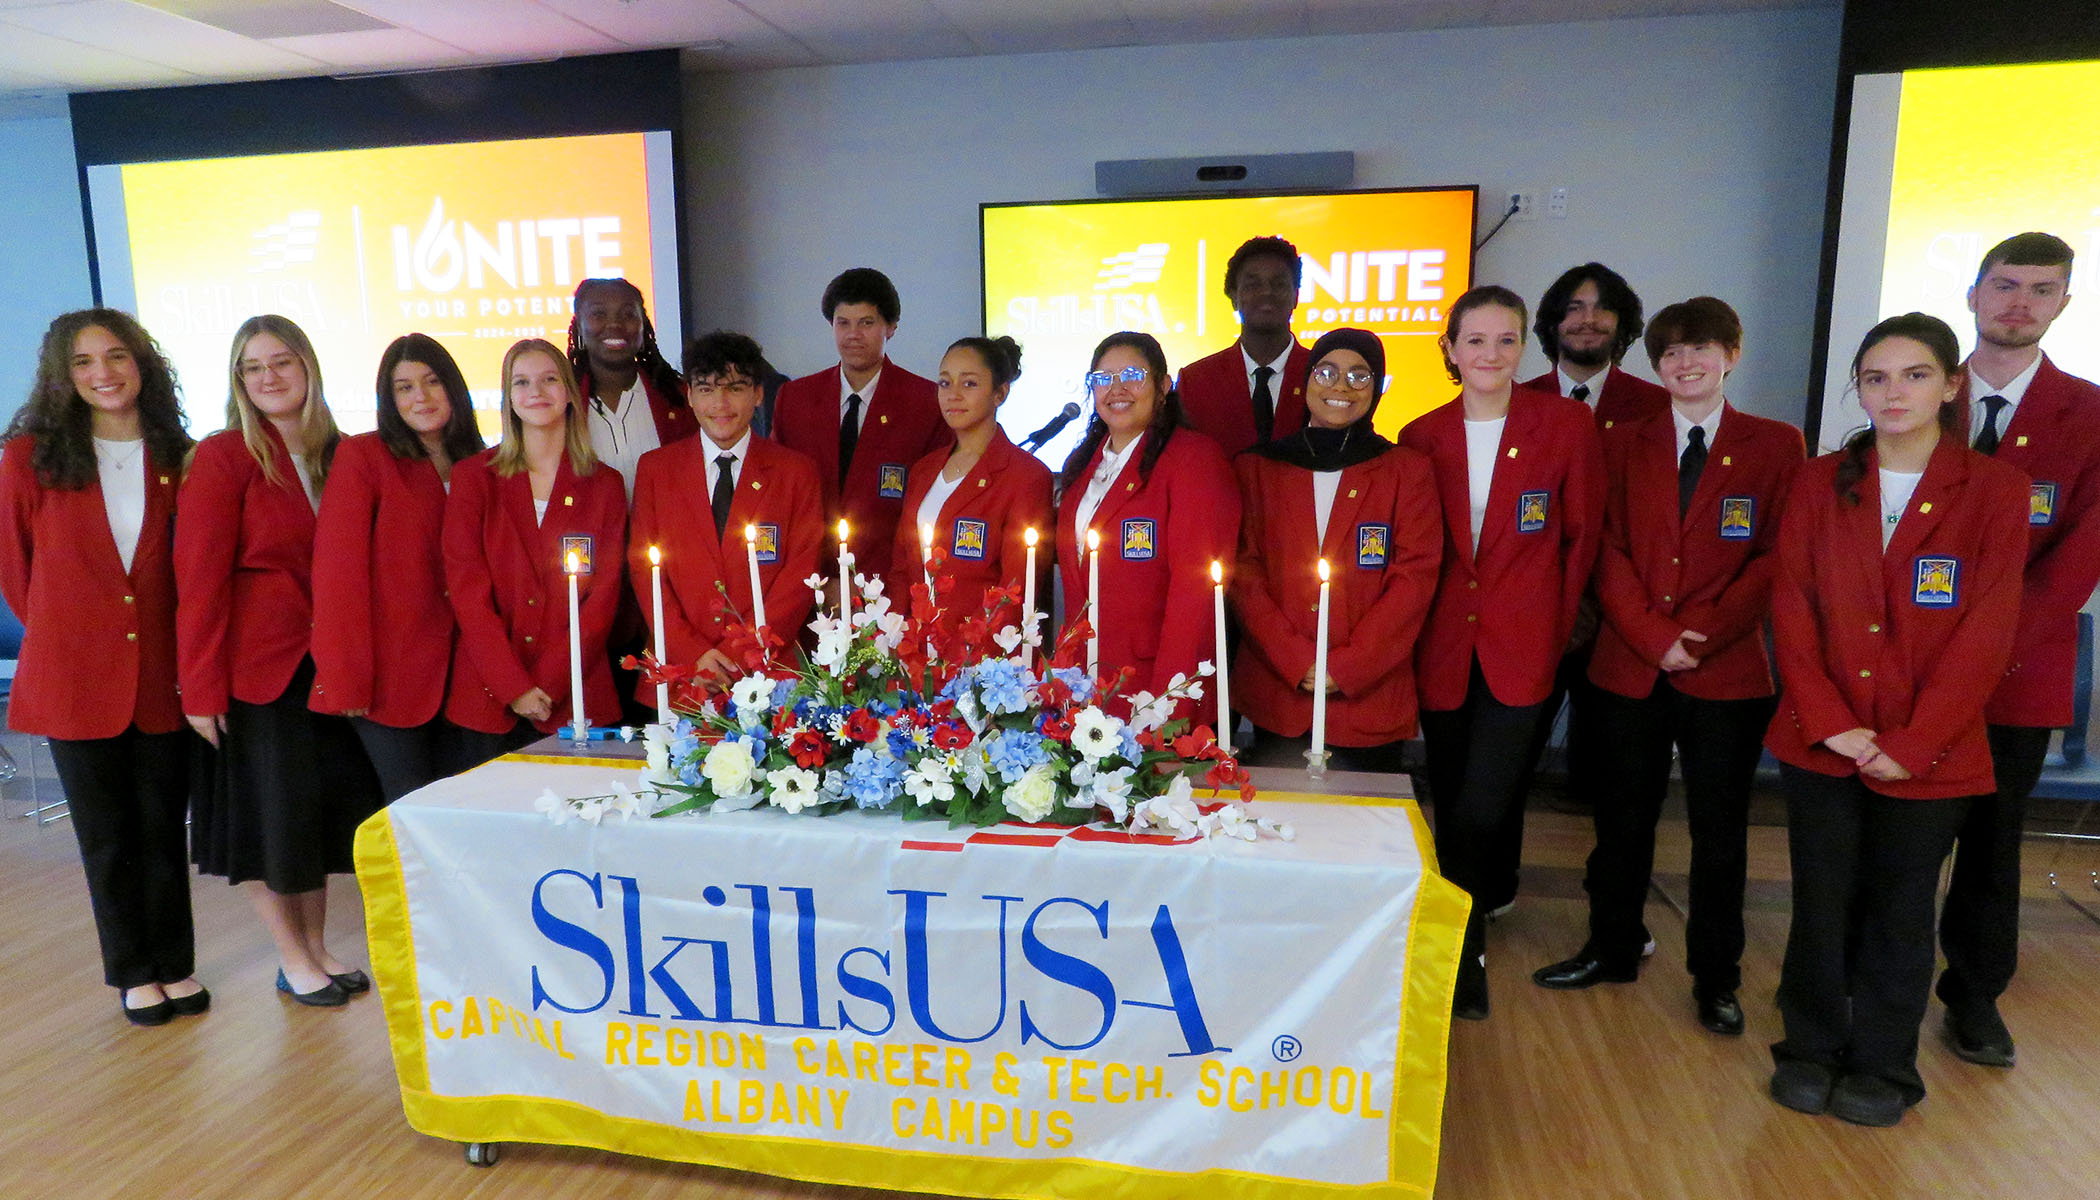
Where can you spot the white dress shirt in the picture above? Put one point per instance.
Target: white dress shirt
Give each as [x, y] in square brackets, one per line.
[2014, 392]
[621, 438]
[1104, 478]
[122, 467]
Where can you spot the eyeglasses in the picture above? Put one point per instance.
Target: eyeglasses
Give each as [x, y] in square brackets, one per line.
[1101, 381]
[256, 368]
[1328, 375]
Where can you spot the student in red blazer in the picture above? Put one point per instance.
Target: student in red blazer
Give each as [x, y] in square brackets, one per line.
[865, 463]
[288, 786]
[87, 498]
[383, 629]
[1383, 541]
[515, 515]
[764, 488]
[979, 497]
[1163, 499]
[1253, 391]
[1523, 498]
[1898, 591]
[2046, 423]
[1685, 581]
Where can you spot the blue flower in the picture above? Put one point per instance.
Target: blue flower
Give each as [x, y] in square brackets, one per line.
[873, 780]
[780, 693]
[1075, 678]
[1014, 752]
[1130, 751]
[1002, 687]
[902, 743]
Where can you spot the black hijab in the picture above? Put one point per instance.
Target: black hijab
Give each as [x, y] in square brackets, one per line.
[1319, 449]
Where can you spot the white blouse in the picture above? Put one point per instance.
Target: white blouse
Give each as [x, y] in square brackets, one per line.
[122, 466]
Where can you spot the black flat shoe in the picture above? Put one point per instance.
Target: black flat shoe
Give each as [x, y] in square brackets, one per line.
[1583, 970]
[1977, 1034]
[1803, 1086]
[1719, 1012]
[353, 982]
[328, 995]
[1867, 1100]
[1469, 998]
[153, 1014]
[190, 1005]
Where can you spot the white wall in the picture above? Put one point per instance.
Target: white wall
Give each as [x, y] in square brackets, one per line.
[1694, 150]
[43, 245]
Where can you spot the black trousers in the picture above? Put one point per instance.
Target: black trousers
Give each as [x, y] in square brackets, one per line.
[1572, 686]
[1719, 743]
[1477, 773]
[1980, 922]
[1276, 750]
[1858, 969]
[407, 759]
[128, 796]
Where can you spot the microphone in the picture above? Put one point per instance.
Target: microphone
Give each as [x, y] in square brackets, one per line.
[1064, 417]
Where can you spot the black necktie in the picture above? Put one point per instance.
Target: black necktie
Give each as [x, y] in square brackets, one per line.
[849, 434]
[1688, 468]
[1581, 392]
[725, 488]
[1264, 402]
[1987, 441]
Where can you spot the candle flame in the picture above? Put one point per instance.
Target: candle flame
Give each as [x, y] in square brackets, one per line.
[656, 557]
[842, 529]
[1093, 539]
[926, 536]
[1217, 571]
[1323, 570]
[751, 534]
[1028, 535]
[573, 563]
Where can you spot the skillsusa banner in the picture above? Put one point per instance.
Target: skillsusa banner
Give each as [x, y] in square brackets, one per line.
[862, 1000]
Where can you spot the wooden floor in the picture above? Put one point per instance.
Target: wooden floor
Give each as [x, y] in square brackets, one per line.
[1607, 1093]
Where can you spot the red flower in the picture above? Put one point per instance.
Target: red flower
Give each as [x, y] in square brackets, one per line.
[1198, 743]
[1056, 726]
[954, 735]
[1225, 773]
[809, 749]
[861, 726]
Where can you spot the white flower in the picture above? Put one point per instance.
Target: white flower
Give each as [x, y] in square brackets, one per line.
[1108, 789]
[591, 809]
[794, 788]
[1231, 821]
[932, 779]
[1095, 734]
[624, 801]
[816, 583]
[627, 733]
[1008, 639]
[973, 767]
[1033, 796]
[730, 769]
[889, 628]
[833, 642]
[556, 808]
[656, 754]
[753, 697]
[1206, 669]
[1149, 712]
[1175, 812]
[1282, 829]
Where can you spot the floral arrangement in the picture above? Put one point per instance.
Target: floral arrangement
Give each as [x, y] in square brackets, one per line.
[935, 716]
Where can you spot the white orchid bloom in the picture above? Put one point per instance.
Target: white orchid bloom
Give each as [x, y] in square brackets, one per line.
[556, 808]
[591, 810]
[833, 644]
[624, 801]
[1008, 639]
[1149, 712]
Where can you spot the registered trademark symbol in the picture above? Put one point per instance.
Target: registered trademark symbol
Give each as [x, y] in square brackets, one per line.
[1286, 1048]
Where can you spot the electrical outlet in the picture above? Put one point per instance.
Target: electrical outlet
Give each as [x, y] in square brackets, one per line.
[1557, 204]
[1526, 204]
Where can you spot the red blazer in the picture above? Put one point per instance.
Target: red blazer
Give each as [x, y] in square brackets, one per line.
[1658, 575]
[1158, 537]
[383, 629]
[244, 552]
[511, 597]
[1383, 544]
[777, 490]
[2054, 436]
[1625, 398]
[1512, 602]
[1219, 402]
[1907, 641]
[673, 413]
[98, 648]
[899, 425]
[982, 526]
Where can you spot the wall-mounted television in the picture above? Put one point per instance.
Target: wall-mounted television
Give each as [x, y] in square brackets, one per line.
[1058, 276]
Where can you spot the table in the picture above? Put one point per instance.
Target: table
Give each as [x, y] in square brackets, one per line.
[869, 1001]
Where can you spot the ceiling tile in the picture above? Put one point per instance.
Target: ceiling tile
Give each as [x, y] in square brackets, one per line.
[151, 35]
[264, 19]
[495, 29]
[377, 50]
[868, 30]
[652, 23]
[78, 67]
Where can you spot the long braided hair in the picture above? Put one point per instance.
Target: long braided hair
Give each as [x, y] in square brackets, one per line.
[647, 357]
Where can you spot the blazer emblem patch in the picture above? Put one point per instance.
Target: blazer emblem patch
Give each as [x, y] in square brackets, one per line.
[1371, 543]
[969, 538]
[890, 481]
[580, 545]
[1738, 517]
[1139, 541]
[1531, 511]
[1938, 582]
[2041, 504]
[767, 543]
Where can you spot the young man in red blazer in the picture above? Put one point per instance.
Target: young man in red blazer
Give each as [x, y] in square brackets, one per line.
[694, 502]
[2021, 409]
[1253, 391]
[1684, 580]
[863, 422]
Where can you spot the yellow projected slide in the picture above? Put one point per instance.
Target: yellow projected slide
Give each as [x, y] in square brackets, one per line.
[1983, 153]
[1059, 277]
[477, 245]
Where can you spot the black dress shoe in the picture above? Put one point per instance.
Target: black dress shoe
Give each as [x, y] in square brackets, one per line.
[353, 981]
[153, 1014]
[1719, 1012]
[1469, 998]
[1803, 1086]
[1977, 1034]
[328, 995]
[1583, 970]
[190, 1005]
[1867, 1100]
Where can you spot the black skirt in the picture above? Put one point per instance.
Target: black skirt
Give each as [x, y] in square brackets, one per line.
[283, 796]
